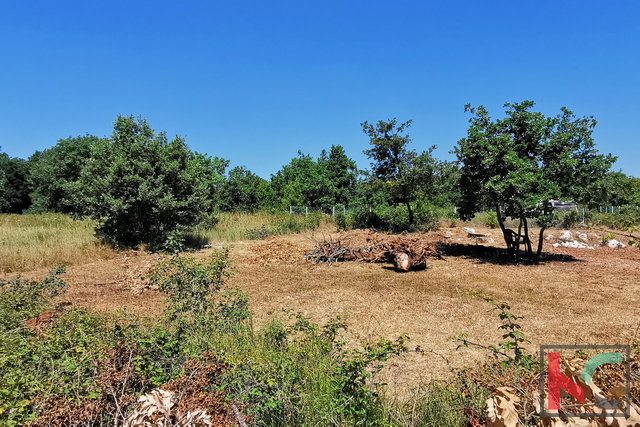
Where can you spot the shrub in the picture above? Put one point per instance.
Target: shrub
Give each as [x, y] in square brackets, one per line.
[395, 219]
[21, 299]
[341, 221]
[192, 285]
[300, 374]
[427, 217]
[140, 187]
[366, 218]
[232, 310]
[623, 219]
[487, 219]
[569, 219]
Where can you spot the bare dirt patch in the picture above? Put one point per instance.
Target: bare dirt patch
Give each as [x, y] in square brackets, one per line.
[573, 296]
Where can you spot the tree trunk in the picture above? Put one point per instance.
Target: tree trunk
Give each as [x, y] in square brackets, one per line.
[411, 219]
[402, 261]
[542, 230]
[520, 222]
[540, 241]
[527, 241]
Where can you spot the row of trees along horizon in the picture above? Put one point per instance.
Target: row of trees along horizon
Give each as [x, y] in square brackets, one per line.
[140, 186]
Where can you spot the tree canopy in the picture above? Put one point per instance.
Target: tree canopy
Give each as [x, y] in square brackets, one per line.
[244, 191]
[519, 164]
[324, 182]
[141, 187]
[54, 171]
[397, 171]
[15, 185]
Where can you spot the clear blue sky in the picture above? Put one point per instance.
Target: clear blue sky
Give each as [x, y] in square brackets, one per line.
[256, 81]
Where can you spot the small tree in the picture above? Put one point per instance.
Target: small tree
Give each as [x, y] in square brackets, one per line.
[244, 191]
[401, 173]
[141, 187]
[341, 175]
[519, 164]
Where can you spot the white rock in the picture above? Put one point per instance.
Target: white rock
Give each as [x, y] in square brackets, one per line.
[566, 236]
[469, 230]
[613, 243]
[549, 237]
[447, 235]
[583, 237]
[573, 244]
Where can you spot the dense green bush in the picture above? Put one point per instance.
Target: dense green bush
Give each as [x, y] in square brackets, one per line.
[364, 217]
[486, 219]
[301, 374]
[395, 219]
[569, 219]
[428, 216]
[624, 218]
[191, 285]
[21, 299]
[37, 364]
[141, 187]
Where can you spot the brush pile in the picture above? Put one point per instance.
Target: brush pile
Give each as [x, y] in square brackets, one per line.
[331, 251]
[404, 252]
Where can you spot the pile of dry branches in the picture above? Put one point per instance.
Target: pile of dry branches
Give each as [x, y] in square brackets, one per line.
[331, 251]
[404, 252]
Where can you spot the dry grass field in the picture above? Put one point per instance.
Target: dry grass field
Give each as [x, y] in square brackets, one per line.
[46, 240]
[573, 296]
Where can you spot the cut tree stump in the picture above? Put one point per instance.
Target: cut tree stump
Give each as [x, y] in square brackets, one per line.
[402, 261]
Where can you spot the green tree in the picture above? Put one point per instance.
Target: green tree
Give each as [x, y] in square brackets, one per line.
[300, 183]
[520, 163]
[244, 191]
[324, 182]
[54, 171]
[340, 173]
[209, 173]
[400, 173]
[141, 187]
[614, 189]
[15, 185]
[446, 176]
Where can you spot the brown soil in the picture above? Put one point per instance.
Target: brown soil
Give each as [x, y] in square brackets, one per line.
[573, 296]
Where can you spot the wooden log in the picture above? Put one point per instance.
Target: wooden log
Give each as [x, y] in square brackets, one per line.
[402, 261]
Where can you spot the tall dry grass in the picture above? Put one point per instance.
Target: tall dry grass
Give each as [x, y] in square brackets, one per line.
[29, 242]
[234, 226]
[33, 241]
